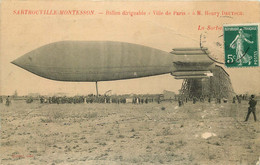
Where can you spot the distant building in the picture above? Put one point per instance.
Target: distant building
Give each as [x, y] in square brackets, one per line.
[168, 95]
[33, 94]
[60, 94]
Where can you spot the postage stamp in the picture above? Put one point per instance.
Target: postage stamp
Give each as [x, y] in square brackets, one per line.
[241, 45]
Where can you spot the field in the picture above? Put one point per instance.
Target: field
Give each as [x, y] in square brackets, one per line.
[204, 133]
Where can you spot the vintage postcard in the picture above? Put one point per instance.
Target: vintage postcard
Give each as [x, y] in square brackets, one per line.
[128, 82]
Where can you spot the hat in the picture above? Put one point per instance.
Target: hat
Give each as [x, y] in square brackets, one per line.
[252, 96]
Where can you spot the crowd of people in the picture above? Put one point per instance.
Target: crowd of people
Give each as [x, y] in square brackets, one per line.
[238, 98]
[134, 100]
[121, 99]
[218, 100]
[94, 99]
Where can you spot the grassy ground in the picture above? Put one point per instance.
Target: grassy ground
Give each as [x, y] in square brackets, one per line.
[128, 134]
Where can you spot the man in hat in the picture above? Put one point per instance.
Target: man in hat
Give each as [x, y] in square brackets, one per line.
[251, 108]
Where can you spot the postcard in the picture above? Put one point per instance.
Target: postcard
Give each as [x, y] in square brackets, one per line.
[129, 82]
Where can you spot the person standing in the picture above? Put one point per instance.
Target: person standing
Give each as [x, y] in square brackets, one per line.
[8, 101]
[252, 107]
[194, 99]
[234, 100]
[180, 102]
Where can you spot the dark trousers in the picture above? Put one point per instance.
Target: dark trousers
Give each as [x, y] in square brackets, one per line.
[248, 113]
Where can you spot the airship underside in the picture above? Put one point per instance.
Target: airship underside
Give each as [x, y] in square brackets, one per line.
[107, 60]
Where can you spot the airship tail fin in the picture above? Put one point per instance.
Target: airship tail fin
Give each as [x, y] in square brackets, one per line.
[192, 63]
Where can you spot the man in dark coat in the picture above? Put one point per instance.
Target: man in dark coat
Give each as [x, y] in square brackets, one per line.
[252, 104]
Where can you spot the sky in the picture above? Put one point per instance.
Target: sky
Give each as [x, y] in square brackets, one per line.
[23, 33]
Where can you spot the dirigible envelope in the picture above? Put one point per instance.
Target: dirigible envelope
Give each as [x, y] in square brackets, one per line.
[95, 61]
[106, 60]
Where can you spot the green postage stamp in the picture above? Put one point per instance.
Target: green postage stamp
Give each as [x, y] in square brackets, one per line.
[241, 45]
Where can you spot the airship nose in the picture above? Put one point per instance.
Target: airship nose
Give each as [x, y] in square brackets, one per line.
[23, 62]
[29, 63]
[15, 62]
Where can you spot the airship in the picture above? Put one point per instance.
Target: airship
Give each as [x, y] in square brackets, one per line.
[93, 61]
